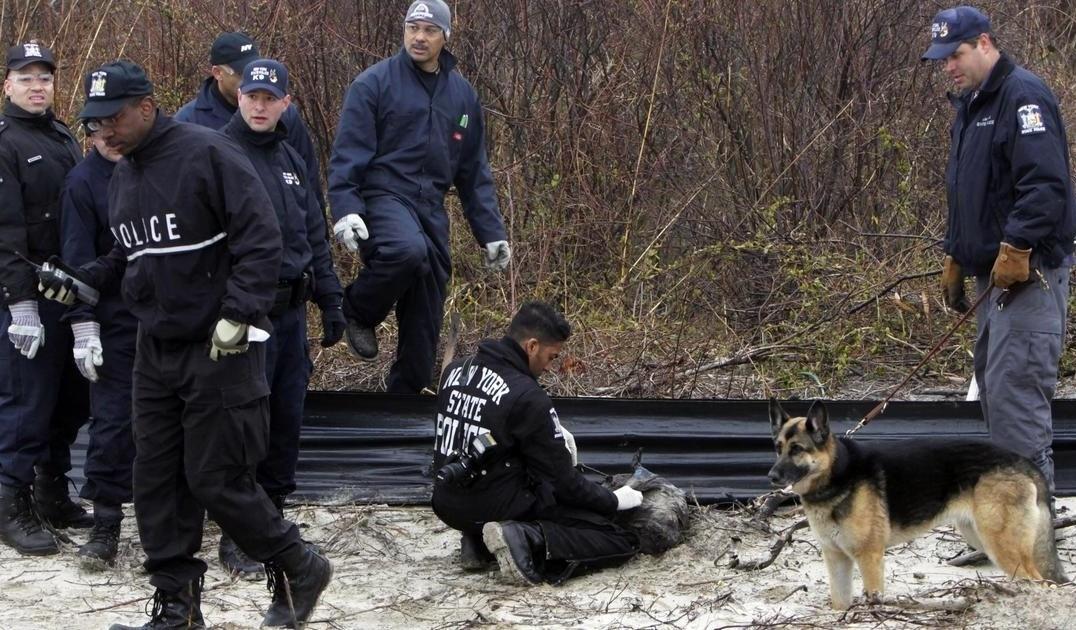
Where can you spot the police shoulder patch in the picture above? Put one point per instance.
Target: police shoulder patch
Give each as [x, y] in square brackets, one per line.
[1030, 118]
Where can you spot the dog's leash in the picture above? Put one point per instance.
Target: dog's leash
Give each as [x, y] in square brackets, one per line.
[880, 407]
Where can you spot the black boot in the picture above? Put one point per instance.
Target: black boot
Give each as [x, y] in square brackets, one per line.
[514, 544]
[473, 553]
[174, 611]
[362, 340]
[19, 524]
[55, 504]
[236, 562]
[297, 584]
[100, 550]
[278, 501]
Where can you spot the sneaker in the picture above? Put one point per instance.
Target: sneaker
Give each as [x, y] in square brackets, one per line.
[236, 562]
[362, 340]
[20, 526]
[296, 590]
[173, 611]
[473, 554]
[513, 542]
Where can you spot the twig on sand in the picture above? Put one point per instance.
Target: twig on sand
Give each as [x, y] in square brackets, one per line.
[775, 550]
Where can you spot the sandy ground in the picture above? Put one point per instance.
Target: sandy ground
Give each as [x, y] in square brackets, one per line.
[396, 568]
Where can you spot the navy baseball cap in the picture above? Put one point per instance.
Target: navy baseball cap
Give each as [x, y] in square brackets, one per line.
[109, 87]
[265, 74]
[22, 55]
[953, 27]
[234, 50]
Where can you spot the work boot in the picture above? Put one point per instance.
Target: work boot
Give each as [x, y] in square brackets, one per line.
[99, 552]
[236, 562]
[278, 501]
[55, 504]
[173, 611]
[20, 526]
[362, 340]
[296, 586]
[514, 543]
[473, 553]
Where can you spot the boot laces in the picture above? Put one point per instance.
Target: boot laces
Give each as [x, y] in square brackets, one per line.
[156, 607]
[26, 514]
[277, 582]
[104, 533]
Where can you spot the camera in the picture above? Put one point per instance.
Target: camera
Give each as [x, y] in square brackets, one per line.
[462, 469]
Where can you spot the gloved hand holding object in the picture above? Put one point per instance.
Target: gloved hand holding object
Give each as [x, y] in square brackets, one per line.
[627, 498]
[88, 353]
[569, 443]
[64, 284]
[333, 324]
[1012, 266]
[228, 338]
[26, 331]
[350, 230]
[498, 253]
[952, 284]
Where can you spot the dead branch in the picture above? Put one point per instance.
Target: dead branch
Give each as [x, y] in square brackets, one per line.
[889, 287]
[775, 550]
[769, 505]
[907, 602]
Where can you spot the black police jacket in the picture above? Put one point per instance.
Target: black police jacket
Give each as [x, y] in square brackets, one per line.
[1008, 177]
[530, 467]
[36, 152]
[302, 223]
[196, 236]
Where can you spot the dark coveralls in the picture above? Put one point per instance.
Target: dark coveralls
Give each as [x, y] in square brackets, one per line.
[44, 400]
[405, 136]
[306, 269]
[196, 241]
[86, 235]
[1009, 180]
[209, 109]
[529, 474]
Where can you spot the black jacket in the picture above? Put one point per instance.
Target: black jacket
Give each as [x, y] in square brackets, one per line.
[196, 236]
[302, 223]
[530, 468]
[36, 152]
[1008, 177]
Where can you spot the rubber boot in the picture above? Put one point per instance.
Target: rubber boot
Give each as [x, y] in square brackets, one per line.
[297, 580]
[20, 526]
[55, 504]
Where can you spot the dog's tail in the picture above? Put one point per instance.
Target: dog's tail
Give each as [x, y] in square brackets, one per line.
[1046, 558]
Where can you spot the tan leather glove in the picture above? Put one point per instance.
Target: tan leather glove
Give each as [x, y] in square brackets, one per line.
[952, 285]
[1011, 266]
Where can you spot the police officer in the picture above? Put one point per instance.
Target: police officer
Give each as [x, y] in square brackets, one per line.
[516, 484]
[198, 250]
[43, 400]
[411, 127]
[1011, 225]
[306, 268]
[104, 351]
[216, 102]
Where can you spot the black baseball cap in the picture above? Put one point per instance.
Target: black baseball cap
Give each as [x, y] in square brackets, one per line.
[234, 50]
[953, 27]
[109, 87]
[22, 55]
[265, 74]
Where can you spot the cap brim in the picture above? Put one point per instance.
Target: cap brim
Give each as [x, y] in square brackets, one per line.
[940, 51]
[102, 109]
[263, 87]
[22, 63]
[241, 62]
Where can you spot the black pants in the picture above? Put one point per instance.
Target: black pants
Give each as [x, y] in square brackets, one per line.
[110, 454]
[288, 367]
[200, 429]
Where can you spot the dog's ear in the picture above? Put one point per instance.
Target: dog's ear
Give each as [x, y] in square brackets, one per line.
[778, 416]
[817, 425]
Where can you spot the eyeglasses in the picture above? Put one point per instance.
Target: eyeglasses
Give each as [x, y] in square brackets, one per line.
[26, 80]
[93, 125]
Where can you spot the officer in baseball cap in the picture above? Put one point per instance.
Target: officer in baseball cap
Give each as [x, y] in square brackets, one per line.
[22, 55]
[109, 88]
[951, 28]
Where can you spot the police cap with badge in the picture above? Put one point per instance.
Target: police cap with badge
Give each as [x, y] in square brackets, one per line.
[268, 75]
[952, 27]
[22, 55]
[234, 50]
[109, 88]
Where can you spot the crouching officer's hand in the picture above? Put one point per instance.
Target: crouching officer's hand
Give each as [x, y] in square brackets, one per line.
[350, 230]
[627, 498]
[498, 253]
[1011, 266]
[26, 331]
[57, 287]
[88, 353]
[952, 285]
[333, 324]
[228, 338]
[569, 443]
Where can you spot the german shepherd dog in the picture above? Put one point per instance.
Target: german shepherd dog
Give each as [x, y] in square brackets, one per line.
[861, 499]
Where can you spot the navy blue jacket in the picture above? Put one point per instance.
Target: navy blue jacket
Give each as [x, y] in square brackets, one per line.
[302, 223]
[209, 109]
[196, 236]
[85, 236]
[1008, 177]
[36, 152]
[394, 137]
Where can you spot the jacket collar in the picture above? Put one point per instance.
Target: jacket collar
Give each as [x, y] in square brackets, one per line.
[145, 149]
[507, 351]
[1001, 71]
[447, 60]
[14, 111]
[210, 98]
[238, 128]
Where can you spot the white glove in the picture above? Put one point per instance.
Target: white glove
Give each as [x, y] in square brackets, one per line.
[228, 338]
[26, 332]
[627, 498]
[569, 443]
[88, 353]
[350, 230]
[498, 253]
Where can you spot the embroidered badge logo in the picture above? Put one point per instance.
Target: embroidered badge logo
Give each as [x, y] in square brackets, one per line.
[939, 30]
[246, 47]
[31, 50]
[97, 84]
[290, 179]
[421, 12]
[1030, 120]
[464, 119]
[261, 73]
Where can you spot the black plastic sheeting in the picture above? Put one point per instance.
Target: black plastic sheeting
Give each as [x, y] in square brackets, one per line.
[370, 447]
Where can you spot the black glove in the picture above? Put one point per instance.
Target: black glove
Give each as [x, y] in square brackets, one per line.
[333, 324]
[61, 283]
